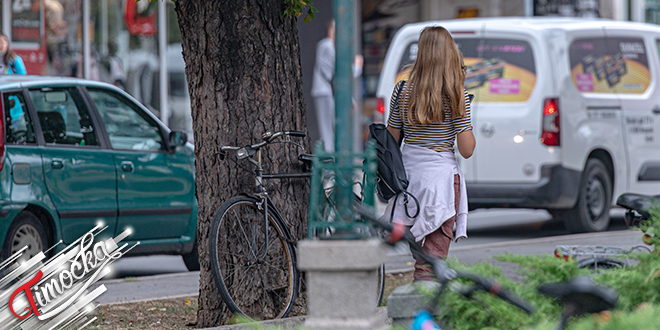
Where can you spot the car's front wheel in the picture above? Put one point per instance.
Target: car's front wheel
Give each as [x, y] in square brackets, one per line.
[26, 231]
[191, 259]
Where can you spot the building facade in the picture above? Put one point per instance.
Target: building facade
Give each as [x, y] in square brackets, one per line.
[134, 45]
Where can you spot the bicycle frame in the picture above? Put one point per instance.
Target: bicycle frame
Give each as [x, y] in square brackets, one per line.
[261, 192]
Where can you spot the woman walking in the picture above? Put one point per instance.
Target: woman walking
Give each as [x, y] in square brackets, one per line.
[433, 111]
[10, 63]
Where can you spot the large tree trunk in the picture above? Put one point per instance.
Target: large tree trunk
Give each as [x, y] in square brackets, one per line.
[244, 77]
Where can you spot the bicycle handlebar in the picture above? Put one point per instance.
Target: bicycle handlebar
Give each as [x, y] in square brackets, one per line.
[296, 133]
[267, 138]
[495, 288]
[440, 267]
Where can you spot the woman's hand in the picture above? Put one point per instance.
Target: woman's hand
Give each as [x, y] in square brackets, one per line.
[465, 142]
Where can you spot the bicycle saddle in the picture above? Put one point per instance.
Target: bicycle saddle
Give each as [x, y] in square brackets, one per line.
[640, 203]
[308, 158]
[580, 295]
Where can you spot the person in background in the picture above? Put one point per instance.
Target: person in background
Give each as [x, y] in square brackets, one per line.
[10, 63]
[324, 70]
[56, 33]
[433, 111]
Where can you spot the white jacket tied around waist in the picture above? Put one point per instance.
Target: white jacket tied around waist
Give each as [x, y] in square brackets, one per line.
[431, 180]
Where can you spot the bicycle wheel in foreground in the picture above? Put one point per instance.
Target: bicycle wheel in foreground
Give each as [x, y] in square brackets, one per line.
[381, 284]
[255, 280]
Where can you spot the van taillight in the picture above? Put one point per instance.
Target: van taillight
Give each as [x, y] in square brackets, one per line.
[380, 105]
[550, 134]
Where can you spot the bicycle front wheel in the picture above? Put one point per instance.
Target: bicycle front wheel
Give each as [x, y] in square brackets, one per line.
[254, 279]
[381, 284]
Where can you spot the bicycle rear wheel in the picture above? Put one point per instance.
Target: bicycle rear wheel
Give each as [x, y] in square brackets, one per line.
[254, 280]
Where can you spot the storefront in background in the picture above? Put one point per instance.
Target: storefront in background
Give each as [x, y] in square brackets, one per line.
[133, 45]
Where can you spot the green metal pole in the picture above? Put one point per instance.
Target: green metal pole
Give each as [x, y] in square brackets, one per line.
[343, 93]
[343, 79]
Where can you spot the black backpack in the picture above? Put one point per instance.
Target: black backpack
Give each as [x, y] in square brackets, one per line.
[392, 178]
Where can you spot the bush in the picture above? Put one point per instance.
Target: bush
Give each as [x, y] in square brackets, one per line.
[638, 287]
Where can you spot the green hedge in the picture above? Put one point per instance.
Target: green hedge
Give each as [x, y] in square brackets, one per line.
[638, 287]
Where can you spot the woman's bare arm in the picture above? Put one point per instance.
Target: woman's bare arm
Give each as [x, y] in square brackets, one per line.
[466, 143]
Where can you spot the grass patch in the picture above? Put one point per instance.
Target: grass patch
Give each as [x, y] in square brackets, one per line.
[165, 314]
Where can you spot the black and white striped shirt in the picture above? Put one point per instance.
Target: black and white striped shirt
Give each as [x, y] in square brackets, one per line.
[437, 136]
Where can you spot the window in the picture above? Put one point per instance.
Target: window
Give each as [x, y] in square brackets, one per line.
[127, 125]
[63, 117]
[609, 65]
[19, 129]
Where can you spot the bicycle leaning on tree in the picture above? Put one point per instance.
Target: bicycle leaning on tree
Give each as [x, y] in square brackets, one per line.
[252, 250]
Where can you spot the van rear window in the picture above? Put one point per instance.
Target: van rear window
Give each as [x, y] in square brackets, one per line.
[610, 65]
[498, 70]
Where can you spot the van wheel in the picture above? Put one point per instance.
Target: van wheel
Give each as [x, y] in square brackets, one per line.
[592, 211]
[26, 230]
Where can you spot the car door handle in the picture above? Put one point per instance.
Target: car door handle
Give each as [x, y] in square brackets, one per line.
[127, 166]
[57, 163]
[656, 110]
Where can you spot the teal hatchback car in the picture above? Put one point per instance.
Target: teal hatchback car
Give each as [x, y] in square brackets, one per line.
[75, 152]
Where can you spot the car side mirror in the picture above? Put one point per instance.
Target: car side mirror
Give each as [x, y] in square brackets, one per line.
[178, 138]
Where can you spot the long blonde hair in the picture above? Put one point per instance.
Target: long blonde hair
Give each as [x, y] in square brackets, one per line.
[437, 78]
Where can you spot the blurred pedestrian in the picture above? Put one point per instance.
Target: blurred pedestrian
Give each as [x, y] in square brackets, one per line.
[433, 110]
[56, 33]
[10, 63]
[324, 70]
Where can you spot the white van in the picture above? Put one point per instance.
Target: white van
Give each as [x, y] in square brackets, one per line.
[566, 111]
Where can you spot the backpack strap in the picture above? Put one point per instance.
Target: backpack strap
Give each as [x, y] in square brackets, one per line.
[405, 203]
[396, 104]
[398, 94]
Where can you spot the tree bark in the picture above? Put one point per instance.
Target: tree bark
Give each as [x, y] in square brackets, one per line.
[244, 77]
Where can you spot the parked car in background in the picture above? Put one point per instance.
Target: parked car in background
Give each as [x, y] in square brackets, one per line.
[565, 111]
[76, 152]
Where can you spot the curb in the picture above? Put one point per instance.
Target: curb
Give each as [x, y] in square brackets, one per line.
[287, 323]
[543, 240]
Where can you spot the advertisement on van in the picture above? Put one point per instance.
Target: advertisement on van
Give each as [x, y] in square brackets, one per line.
[497, 70]
[609, 65]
